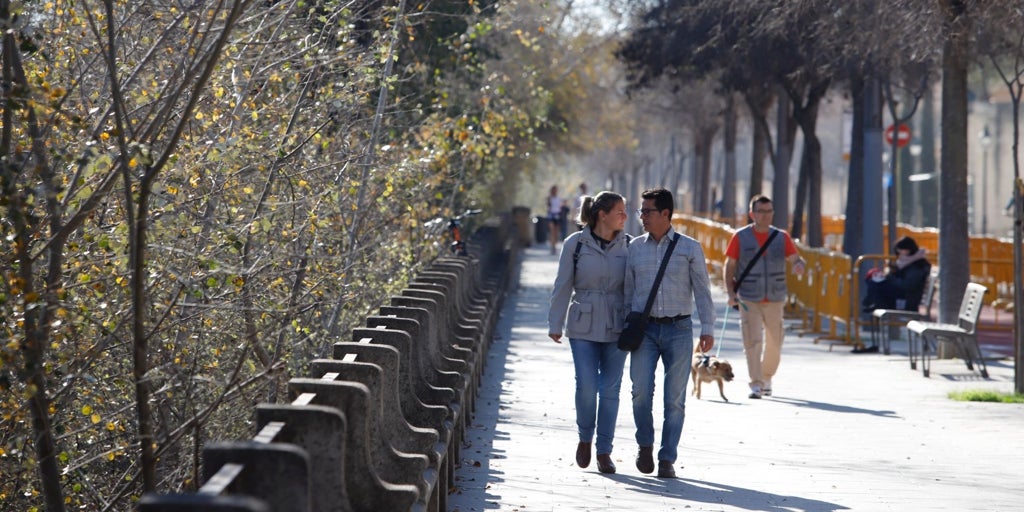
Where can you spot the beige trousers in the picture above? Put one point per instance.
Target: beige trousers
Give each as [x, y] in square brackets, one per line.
[761, 325]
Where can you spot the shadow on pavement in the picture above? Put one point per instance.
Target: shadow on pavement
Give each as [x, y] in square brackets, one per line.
[824, 406]
[712, 493]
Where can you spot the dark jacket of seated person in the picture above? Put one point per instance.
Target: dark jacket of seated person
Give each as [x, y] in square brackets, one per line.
[903, 286]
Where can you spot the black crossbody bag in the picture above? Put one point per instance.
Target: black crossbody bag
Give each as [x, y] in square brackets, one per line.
[636, 322]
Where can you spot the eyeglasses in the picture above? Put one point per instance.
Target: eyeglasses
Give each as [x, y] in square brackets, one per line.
[643, 212]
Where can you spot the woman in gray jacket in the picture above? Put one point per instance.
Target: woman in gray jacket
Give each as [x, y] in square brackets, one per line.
[588, 292]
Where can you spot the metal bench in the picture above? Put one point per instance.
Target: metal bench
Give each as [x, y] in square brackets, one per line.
[962, 334]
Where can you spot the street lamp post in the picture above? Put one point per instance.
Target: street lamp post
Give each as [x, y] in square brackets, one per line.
[915, 153]
[986, 140]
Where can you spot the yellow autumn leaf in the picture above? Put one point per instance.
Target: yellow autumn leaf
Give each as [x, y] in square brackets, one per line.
[95, 418]
[87, 409]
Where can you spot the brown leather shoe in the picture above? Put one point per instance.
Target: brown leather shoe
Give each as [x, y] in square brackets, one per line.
[665, 469]
[645, 460]
[605, 464]
[583, 454]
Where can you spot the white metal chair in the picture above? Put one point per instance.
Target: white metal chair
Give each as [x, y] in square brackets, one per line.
[963, 334]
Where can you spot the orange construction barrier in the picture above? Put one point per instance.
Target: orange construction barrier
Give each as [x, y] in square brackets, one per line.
[827, 295]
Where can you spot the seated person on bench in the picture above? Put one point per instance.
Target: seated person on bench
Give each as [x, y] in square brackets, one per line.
[903, 285]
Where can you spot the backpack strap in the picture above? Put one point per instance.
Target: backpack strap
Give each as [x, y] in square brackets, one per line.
[576, 254]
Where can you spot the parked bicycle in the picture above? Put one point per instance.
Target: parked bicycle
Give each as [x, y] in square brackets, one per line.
[457, 246]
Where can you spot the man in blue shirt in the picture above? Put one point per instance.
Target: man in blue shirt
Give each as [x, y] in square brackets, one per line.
[669, 334]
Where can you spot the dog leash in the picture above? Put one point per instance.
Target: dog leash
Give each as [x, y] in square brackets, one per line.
[725, 323]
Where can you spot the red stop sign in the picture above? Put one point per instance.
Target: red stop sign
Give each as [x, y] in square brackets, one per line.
[902, 135]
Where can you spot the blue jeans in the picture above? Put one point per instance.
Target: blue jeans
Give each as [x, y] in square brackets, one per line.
[598, 380]
[673, 344]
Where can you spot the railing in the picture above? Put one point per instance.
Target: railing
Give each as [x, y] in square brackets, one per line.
[379, 425]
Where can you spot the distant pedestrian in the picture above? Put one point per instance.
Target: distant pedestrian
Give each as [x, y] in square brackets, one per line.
[762, 290]
[669, 334]
[579, 204]
[555, 203]
[589, 291]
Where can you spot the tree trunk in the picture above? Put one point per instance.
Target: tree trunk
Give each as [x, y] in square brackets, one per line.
[852, 240]
[812, 151]
[796, 229]
[729, 179]
[758, 102]
[672, 167]
[953, 173]
[758, 153]
[785, 135]
[139, 274]
[1018, 265]
[19, 214]
[806, 116]
[928, 190]
[703, 191]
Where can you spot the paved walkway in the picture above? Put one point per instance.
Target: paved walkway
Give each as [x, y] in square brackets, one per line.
[843, 432]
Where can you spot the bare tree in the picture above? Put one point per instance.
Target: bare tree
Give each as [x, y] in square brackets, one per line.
[181, 184]
[1004, 45]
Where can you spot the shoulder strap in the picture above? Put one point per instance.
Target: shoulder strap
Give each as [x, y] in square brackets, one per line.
[750, 264]
[657, 278]
[576, 253]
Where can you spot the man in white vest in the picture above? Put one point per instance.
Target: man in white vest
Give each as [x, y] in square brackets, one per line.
[761, 290]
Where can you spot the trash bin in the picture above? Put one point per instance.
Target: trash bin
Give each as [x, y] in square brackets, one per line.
[521, 217]
[540, 229]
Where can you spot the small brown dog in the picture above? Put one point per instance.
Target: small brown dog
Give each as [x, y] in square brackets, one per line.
[708, 368]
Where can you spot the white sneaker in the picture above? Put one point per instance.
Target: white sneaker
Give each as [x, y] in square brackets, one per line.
[755, 392]
[767, 389]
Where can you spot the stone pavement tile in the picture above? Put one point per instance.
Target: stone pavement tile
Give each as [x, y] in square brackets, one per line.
[843, 432]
